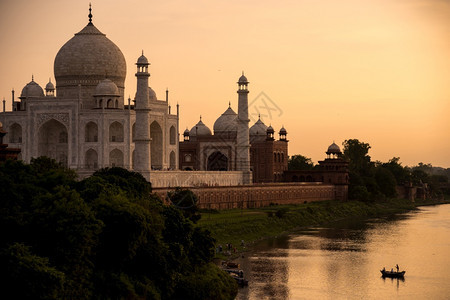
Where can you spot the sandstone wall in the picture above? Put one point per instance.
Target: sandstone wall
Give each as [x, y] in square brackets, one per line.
[252, 196]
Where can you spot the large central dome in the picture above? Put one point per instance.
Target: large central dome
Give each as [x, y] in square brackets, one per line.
[86, 59]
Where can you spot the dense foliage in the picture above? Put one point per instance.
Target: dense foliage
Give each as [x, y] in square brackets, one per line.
[370, 181]
[103, 237]
[300, 162]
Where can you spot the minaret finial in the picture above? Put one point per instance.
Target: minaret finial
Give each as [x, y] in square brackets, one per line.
[32, 77]
[259, 116]
[242, 73]
[200, 117]
[90, 13]
[142, 52]
[229, 104]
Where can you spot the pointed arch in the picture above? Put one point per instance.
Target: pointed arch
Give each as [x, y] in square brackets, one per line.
[217, 161]
[116, 132]
[91, 159]
[116, 158]
[53, 141]
[172, 135]
[91, 132]
[15, 133]
[156, 145]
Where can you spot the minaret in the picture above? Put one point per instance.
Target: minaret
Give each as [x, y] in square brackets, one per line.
[142, 155]
[243, 143]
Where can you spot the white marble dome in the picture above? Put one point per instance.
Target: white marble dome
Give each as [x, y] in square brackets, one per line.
[142, 60]
[226, 122]
[243, 79]
[152, 94]
[87, 58]
[200, 129]
[106, 88]
[32, 89]
[259, 128]
[50, 86]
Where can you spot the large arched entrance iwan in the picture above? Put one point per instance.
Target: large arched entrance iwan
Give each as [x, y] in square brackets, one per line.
[217, 162]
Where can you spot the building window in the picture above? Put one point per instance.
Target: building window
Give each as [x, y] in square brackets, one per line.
[188, 158]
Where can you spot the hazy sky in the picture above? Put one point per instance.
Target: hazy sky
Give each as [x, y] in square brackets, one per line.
[374, 70]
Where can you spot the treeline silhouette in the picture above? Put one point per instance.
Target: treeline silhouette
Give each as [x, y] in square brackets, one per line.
[104, 237]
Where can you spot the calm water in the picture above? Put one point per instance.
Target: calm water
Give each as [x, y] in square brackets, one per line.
[342, 261]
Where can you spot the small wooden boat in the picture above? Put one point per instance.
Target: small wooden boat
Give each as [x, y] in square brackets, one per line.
[392, 274]
[230, 265]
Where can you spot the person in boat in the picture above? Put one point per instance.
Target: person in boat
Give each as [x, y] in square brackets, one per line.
[397, 267]
[392, 270]
[384, 269]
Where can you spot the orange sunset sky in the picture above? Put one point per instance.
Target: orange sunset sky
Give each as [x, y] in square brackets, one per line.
[374, 70]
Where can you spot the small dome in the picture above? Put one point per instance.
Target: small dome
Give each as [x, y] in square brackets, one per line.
[243, 79]
[283, 131]
[50, 86]
[142, 60]
[259, 128]
[32, 89]
[186, 132]
[270, 129]
[333, 148]
[106, 88]
[200, 129]
[152, 94]
[226, 122]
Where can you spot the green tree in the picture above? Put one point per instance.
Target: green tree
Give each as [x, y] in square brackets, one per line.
[300, 162]
[102, 238]
[28, 276]
[356, 153]
[186, 201]
[386, 181]
[401, 174]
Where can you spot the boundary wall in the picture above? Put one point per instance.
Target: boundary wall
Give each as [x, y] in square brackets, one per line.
[260, 195]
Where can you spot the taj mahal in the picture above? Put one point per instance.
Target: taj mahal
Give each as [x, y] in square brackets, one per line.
[84, 122]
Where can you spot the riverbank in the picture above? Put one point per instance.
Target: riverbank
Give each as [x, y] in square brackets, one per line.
[251, 225]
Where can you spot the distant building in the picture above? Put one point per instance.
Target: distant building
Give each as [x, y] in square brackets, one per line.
[331, 170]
[204, 151]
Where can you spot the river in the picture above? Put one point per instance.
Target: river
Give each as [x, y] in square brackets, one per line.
[343, 260]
